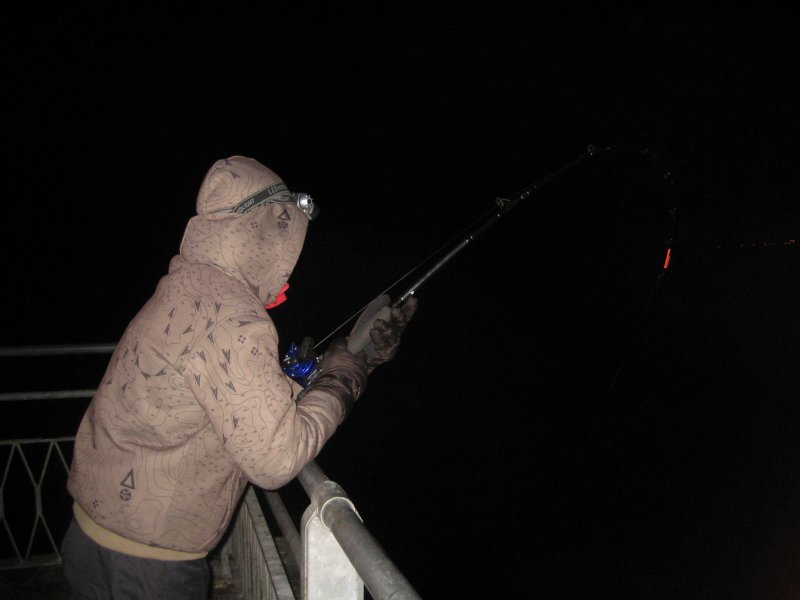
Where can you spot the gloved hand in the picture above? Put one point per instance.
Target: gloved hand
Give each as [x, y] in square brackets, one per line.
[341, 374]
[385, 335]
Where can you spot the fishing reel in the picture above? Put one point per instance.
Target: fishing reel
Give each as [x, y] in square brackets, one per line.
[301, 363]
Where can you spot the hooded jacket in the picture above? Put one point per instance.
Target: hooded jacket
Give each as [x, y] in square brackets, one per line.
[194, 403]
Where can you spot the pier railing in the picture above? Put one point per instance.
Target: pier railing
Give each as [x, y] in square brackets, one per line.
[331, 555]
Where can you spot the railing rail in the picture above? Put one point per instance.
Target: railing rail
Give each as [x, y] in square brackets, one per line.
[335, 553]
[56, 350]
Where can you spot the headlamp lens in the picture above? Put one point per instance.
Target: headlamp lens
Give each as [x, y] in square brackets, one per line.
[307, 205]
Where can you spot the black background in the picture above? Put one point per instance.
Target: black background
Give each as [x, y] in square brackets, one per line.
[563, 419]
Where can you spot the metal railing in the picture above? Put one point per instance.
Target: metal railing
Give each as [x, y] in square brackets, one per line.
[250, 558]
[36, 477]
[334, 552]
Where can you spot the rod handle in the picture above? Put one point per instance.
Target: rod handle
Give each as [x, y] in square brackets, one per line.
[359, 339]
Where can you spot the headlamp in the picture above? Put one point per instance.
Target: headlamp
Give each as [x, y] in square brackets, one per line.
[279, 194]
[307, 205]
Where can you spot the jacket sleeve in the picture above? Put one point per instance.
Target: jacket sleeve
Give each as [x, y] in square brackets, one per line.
[236, 375]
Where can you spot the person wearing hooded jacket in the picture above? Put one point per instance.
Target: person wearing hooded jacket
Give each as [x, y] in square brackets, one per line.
[194, 403]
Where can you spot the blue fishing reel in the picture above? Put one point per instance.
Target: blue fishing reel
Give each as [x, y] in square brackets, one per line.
[301, 362]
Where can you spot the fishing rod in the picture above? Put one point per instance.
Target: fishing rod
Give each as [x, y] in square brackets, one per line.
[301, 361]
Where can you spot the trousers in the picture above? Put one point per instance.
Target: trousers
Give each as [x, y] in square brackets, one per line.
[97, 573]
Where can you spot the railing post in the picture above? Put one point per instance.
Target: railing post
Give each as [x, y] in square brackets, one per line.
[327, 573]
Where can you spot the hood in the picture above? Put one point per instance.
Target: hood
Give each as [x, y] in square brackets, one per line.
[259, 246]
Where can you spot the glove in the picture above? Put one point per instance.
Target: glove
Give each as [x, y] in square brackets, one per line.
[342, 374]
[385, 335]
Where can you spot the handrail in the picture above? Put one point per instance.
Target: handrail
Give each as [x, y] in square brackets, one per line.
[52, 350]
[380, 575]
[54, 395]
[56, 350]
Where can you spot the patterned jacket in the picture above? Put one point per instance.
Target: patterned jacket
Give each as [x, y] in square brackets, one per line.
[194, 403]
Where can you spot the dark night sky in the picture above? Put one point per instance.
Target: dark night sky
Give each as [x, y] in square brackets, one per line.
[493, 444]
